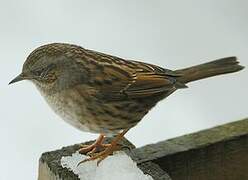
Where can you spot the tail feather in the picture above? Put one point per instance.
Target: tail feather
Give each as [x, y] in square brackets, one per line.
[213, 68]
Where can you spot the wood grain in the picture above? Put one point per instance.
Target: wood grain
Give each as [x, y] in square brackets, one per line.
[213, 154]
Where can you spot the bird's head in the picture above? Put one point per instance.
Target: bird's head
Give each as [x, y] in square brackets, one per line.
[50, 68]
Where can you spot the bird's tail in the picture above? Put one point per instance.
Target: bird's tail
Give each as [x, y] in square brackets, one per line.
[213, 68]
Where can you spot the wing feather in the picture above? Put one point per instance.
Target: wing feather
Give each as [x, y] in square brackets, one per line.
[123, 79]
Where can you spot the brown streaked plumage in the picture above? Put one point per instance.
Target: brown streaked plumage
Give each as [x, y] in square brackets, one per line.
[105, 94]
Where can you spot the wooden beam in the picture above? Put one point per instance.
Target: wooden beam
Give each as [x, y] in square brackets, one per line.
[50, 167]
[214, 154]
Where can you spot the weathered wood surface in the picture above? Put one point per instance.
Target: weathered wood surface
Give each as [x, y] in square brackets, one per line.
[219, 153]
[213, 154]
[51, 169]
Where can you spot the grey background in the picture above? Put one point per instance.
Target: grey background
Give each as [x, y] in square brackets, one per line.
[172, 34]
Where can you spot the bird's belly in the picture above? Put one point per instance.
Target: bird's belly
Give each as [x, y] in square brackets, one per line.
[93, 116]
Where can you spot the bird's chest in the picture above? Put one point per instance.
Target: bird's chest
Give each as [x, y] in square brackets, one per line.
[71, 107]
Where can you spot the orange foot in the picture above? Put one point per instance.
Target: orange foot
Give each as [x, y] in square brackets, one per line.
[109, 148]
[95, 147]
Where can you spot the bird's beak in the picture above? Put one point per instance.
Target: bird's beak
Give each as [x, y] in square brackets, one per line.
[18, 78]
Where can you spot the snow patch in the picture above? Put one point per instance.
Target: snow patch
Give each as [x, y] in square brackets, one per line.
[116, 167]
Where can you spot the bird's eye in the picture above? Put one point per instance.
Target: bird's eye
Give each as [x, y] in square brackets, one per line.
[47, 70]
[47, 73]
[43, 74]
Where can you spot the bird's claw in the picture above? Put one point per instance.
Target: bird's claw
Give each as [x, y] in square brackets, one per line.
[102, 155]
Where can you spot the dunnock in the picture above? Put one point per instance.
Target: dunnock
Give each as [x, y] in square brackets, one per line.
[105, 94]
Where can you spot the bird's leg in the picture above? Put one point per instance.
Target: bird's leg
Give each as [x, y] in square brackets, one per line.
[109, 150]
[94, 147]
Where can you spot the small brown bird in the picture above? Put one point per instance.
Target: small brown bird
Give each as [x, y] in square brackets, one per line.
[105, 94]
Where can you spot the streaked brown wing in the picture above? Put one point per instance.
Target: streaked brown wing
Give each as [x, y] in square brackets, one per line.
[148, 84]
[122, 79]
